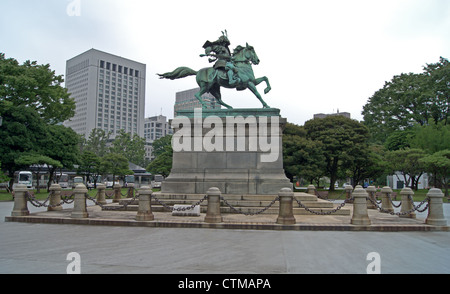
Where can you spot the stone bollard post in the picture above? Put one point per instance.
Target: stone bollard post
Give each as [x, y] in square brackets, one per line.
[55, 198]
[213, 213]
[101, 194]
[407, 204]
[371, 190]
[360, 214]
[145, 205]
[435, 209]
[20, 201]
[79, 206]
[117, 193]
[311, 189]
[348, 193]
[286, 213]
[386, 204]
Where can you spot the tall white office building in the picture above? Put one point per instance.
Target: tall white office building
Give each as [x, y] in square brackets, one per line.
[109, 92]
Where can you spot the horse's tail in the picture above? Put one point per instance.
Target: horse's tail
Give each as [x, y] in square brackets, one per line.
[179, 73]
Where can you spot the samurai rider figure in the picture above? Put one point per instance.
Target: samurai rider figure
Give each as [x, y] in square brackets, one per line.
[222, 56]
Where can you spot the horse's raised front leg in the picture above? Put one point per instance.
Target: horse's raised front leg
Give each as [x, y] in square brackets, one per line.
[252, 88]
[264, 79]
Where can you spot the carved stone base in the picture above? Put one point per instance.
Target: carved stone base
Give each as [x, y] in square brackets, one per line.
[238, 151]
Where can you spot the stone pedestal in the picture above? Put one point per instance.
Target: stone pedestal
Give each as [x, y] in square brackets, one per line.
[20, 201]
[213, 213]
[360, 215]
[55, 198]
[79, 203]
[435, 209]
[145, 207]
[286, 212]
[239, 151]
[101, 195]
[407, 204]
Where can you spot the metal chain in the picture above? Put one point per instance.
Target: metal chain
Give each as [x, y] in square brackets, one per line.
[320, 212]
[36, 203]
[415, 208]
[249, 213]
[392, 202]
[111, 207]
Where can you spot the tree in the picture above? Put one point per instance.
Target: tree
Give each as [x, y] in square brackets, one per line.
[302, 157]
[38, 161]
[438, 164]
[132, 148]
[439, 83]
[409, 99]
[21, 133]
[341, 137]
[37, 87]
[431, 137]
[162, 149]
[97, 142]
[408, 163]
[61, 144]
[365, 162]
[115, 164]
[90, 166]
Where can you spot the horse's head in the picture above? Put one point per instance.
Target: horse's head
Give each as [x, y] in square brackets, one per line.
[251, 55]
[244, 54]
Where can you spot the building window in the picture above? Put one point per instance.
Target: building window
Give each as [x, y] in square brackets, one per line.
[108, 65]
[102, 64]
[136, 73]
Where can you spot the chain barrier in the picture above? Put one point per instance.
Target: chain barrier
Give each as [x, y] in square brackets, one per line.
[249, 213]
[172, 208]
[392, 202]
[36, 203]
[301, 205]
[415, 208]
[125, 205]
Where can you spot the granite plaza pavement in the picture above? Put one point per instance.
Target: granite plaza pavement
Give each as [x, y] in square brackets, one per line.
[43, 248]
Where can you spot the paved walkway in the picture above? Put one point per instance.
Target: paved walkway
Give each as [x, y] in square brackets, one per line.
[43, 248]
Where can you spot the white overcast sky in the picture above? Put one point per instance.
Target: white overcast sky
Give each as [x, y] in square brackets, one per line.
[319, 55]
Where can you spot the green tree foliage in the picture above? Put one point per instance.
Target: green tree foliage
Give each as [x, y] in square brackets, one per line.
[409, 99]
[90, 166]
[438, 164]
[131, 147]
[115, 164]
[162, 149]
[408, 163]
[38, 161]
[61, 144]
[96, 143]
[37, 87]
[302, 157]
[431, 137]
[21, 133]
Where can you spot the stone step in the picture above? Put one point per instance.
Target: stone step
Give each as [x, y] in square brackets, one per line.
[299, 195]
[308, 201]
[227, 209]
